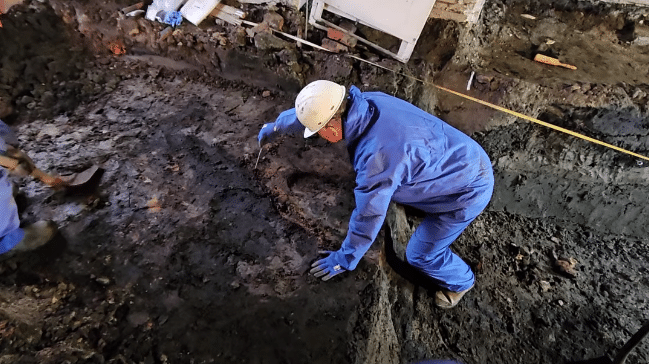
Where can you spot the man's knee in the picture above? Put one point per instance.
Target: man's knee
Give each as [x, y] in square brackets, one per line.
[416, 258]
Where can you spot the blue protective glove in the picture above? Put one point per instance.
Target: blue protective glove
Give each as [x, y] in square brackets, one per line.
[173, 18]
[326, 268]
[267, 134]
[286, 123]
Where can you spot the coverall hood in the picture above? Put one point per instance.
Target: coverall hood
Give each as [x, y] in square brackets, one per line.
[359, 118]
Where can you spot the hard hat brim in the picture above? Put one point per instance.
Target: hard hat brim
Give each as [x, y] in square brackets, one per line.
[308, 133]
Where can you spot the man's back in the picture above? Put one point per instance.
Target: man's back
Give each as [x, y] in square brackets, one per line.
[435, 163]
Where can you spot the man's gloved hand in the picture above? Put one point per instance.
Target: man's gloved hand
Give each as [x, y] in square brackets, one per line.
[326, 268]
[25, 164]
[286, 123]
[267, 134]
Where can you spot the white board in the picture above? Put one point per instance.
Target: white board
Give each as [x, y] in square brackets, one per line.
[404, 19]
[195, 11]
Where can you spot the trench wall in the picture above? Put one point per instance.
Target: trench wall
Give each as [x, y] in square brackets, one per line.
[469, 10]
[630, 2]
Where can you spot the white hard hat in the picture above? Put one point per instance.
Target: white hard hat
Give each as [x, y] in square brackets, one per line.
[317, 103]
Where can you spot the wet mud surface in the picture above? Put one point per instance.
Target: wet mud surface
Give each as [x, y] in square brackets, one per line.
[186, 251]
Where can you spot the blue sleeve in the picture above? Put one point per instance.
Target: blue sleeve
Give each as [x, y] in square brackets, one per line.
[376, 180]
[288, 123]
[5, 133]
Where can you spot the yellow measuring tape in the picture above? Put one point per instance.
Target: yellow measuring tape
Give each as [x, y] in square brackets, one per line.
[505, 110]
[499, 108]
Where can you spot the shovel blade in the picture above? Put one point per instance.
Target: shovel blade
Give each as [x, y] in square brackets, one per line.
[78, 179]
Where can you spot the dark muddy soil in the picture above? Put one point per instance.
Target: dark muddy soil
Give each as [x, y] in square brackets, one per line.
[184, 252]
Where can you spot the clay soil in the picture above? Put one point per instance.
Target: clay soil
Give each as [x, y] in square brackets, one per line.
[187, 251]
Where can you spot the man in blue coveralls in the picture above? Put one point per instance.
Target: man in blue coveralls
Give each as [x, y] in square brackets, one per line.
[12, 237]
[400, 153]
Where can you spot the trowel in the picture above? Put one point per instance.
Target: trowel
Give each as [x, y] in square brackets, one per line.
[56, 182]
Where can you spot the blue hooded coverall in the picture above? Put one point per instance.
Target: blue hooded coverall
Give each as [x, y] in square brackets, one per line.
[10, 231]
[401, 153]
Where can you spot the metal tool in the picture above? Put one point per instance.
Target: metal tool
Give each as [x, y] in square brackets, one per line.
[259, 155]
[73, 180]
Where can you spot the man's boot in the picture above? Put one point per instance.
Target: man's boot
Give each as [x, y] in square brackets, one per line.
[448, 299]
[36, 235]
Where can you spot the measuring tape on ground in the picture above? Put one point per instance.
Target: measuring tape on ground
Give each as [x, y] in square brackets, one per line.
[511, 112]
[493, 106]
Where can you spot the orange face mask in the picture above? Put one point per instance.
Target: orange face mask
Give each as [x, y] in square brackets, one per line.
[333, 131]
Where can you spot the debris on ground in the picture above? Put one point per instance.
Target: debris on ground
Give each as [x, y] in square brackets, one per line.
[271, 20]
[158, 10]
[195, 11]
[228, 14]
[566, 267]
[552, 61]
[334, 46]
[344, 38]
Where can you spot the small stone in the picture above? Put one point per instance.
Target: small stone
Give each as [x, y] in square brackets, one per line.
[641, 36]
[128, 25]
[639, 94]
[341, 37]
[267, 41]
[274, 20]
[545, 285]
[6, 108]
[265, 93]
[239, 37]
[48, 98]
[106, 144]
[103, 280]
[484, 79]
[333, 46]
[25, 100]
[566, 267]
[48, 130]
